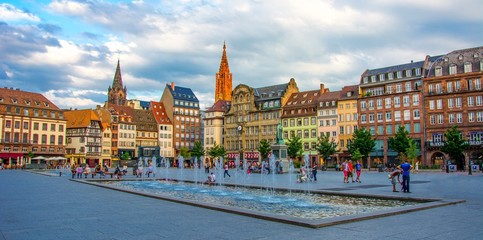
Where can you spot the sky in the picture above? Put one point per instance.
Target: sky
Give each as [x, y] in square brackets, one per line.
[67, 50]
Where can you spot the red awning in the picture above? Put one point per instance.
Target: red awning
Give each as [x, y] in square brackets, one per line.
[10, 155]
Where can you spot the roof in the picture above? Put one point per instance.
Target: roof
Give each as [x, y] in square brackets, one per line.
[124, 112]
[219, 106]
[182, 93]
[303, 98]
[352, 89]
[144, 120]
[27, 99]
[144, 104]
[105, 117]
[159, 113]
[458, 58]
[395, 68]
[270, 92]
[80, 118]
[330, 96]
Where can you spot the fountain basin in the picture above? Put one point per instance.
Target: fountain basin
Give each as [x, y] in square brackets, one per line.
[314, 209]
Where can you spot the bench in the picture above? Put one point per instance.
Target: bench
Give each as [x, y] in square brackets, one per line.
[106, 173]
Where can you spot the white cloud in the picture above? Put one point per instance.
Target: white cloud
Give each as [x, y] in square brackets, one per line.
[72, 98]
[9, 12]
[70, 7]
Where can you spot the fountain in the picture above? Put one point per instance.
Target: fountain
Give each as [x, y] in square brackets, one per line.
[181, 166]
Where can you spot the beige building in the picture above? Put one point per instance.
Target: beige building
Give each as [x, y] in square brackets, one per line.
[254, 115]
[29, 122]
[106, 147]
[165, 130]
[327, 117]
[214, 123]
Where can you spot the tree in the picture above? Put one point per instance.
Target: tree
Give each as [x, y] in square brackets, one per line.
[125, 156]
[362, 141]
[217, 151]
[198, 151]
[412, 151]
[185, 153]
[400, 142]
[264, 149]
[325, 146]
[294, 147]
[454, 146]
[356, 155]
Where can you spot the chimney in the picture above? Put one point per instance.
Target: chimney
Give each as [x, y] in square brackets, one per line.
[172, 86]
[323, 89]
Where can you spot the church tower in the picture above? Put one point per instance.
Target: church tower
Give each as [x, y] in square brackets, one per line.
[116, 94]
[223, 79]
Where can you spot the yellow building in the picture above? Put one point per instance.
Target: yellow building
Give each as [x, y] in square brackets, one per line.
[347, 122]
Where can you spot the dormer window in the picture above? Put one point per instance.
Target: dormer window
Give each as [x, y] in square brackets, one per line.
[381, 77]
[460, 57]
[452, 69]
[1, 99]
[46, 104]
[475, 55]
[365, 79]
[438, 71]
[305, 95]
[390, 76]
[418, 71]
[349, 94]
[373, 78]
[468, 67]
[408, 73]
[14, 100]
[399, 74]
[295, 96]
[27, 102]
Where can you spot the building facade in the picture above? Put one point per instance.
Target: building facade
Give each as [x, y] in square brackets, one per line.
[214, 122]
[254, 115]
[165, 130]
[347, 121]
[299, 118]
[84, 137]
[453, 96]
[327, 118]
[183, 109]
[29, 123]
[391, 97]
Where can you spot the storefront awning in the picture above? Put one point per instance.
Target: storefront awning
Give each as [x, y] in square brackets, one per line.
[10, 155]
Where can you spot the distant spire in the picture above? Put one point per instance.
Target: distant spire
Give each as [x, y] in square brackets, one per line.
[223, 79]
[117, 82]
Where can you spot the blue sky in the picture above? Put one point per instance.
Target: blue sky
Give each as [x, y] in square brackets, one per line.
[68, 49]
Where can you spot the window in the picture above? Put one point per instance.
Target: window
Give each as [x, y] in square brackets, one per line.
[415, 100]
[471, 117]
[432, 119]
[450, 103]
[388, 116]
[44, 126]
[371, 118]
[380, 130]
[408, 86]
[365, 79]
[379, 117]
[418, 71]
[25, 125]
[458, 102]
[438, 88]
[479, 100]
[407, 114]
[389, 89]
[459, 118]
[398, 88]
[449, 86]
[468, 67]
[451, 117]
[389, 129]
[371, 104]
[52, 127]
[373, 78]
[17, 124]
[379, 103]
[416, 114]
[408, 73]
[406, 101]
[397, 102]
[363, 105]
[440, 118]
[439, 104]
[417, 127]
[363, 118]
[479, 117]
[399, 74]
[478, 83]
[397, 115]
[381, 77]
[452, 69]
[457, 86]
[341, 130]
[431, 104]
[431, 88]
[471, 101]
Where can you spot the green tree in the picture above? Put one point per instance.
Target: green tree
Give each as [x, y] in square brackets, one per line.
[356, 155]
[400, 142]
[217, 151]
[294, 147]
[185, 153]
[412, 151]
[454, 146]
[362, 141]
[125, 156]
[325, 146]
[264, 149]
[198, 151]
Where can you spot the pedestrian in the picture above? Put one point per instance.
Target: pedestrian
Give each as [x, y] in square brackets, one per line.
[226, 171]
[351, 170]
[394, 178]
[314, 172]
[73, 170]
[406, 168]
[79, 170]
[345, 170]
[358, 171]
[417, 166]
[207, 166]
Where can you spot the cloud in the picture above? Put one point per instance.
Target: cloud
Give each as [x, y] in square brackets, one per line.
[9, 12]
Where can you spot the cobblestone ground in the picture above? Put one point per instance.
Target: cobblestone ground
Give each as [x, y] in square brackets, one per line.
[35, 206]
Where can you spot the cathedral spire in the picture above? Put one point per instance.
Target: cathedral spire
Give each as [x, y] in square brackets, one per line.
[223, 79]
[117, 93]
[117, 82]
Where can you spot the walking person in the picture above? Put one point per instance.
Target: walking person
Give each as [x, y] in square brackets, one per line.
[226, 171]
[345, 169]
[406, 168]
[358, 171]
[351, 171]
[79, 170]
